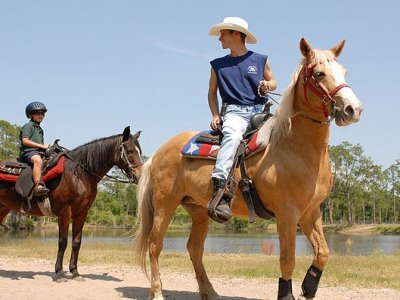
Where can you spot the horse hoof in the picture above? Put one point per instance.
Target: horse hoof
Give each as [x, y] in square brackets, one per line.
[78, 278]
[60, 279]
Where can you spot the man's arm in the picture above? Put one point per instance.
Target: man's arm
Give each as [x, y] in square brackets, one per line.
[268, 83]
[213, 100]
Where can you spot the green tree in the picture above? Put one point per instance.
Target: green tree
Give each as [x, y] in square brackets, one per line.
[115, 203]
[9, 140]
[347, 162]
[375, 187]
[392, 175]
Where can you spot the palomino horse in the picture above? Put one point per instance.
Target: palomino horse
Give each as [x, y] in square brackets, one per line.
[72, 193]
[292, 176]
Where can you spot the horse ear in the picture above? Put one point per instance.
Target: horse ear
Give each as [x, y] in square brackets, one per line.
[338, 48]
[137, 134]
[126, 133]
[306, 49]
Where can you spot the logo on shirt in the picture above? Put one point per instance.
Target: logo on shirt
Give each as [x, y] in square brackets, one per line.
[252, 70]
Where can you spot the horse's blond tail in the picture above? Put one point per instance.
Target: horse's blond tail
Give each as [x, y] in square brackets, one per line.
[145, 215]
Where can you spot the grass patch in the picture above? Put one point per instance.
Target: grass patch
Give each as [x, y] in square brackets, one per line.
[374, 271]
[387, 229]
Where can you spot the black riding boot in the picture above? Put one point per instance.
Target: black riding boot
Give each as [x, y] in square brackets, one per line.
[40, 189]
[223, 210]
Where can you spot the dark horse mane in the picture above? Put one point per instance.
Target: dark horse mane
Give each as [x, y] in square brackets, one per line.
[95, 156]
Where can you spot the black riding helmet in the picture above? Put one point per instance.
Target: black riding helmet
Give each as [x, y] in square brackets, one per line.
[34, 106]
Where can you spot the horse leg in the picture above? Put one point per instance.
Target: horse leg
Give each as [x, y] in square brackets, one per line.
[77, 226]
[162, 218]
[63, 226]
[195, 246]
[3, 213]
[287, 241]
[312, 228]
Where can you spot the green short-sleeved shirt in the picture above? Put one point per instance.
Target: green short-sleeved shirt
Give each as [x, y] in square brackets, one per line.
[32, 131]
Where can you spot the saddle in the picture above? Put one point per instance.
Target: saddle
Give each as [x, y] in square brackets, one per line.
[20, 173]
[206, 145]
[215, 137]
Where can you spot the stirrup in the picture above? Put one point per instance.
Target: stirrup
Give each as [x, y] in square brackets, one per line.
[213, 204]
[40, 189]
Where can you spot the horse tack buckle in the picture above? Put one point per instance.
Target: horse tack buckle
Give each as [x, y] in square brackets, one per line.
[324, 99]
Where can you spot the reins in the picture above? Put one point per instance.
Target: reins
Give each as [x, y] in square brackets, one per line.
[267, 94]
[123, 156]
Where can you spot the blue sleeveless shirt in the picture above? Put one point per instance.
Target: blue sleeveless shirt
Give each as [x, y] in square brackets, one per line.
[238, 77]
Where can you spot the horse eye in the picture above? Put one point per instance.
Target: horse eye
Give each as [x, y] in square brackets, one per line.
[319, 74]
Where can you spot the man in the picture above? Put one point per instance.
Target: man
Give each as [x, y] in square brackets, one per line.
[32, 144]
[240, 77]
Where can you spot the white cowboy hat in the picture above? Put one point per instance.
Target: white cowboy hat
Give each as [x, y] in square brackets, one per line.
[234, 23]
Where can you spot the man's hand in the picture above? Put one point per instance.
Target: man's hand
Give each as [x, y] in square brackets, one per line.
[264, 86]
[215, 122]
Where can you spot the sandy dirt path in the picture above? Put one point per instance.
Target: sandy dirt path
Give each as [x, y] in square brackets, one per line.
[33, 280]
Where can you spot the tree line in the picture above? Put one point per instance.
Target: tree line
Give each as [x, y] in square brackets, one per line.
[363, 192]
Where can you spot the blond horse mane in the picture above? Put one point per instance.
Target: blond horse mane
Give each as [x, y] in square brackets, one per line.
[284, 111]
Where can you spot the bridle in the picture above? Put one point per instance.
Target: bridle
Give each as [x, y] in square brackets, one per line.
[318, 88]
[124, 157]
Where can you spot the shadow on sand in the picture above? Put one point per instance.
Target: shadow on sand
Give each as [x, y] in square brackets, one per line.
[139, 293]
[17, 275]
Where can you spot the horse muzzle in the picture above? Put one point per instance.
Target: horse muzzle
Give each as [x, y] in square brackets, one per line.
[135, 174]
[348, 114]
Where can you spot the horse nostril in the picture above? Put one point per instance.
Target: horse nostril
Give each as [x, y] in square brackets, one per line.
[349, 110]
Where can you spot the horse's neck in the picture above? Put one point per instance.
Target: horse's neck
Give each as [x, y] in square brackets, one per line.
[310, 134]
[97, 163]
[108, 157]
[308, 141]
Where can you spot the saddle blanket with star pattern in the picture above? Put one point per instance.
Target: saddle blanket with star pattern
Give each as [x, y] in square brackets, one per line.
[258, 142]
[193, 148]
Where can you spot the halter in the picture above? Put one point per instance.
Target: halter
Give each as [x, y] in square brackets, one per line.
[124, 156]
[320, 90]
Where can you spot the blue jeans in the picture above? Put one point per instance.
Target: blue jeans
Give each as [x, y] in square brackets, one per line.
[235, 122]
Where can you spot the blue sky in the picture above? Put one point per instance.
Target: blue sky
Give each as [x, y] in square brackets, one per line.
[102, 65]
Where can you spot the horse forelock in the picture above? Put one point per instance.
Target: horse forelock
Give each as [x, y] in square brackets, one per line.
[284, 110]
[136, 143]
[95, 156]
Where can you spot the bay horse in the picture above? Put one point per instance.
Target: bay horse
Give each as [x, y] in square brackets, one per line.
[292, 176]
[73, 192]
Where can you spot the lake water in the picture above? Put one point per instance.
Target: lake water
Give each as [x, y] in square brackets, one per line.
[233, 242]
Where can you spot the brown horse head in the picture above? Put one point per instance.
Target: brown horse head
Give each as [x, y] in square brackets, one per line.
[130, 160]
